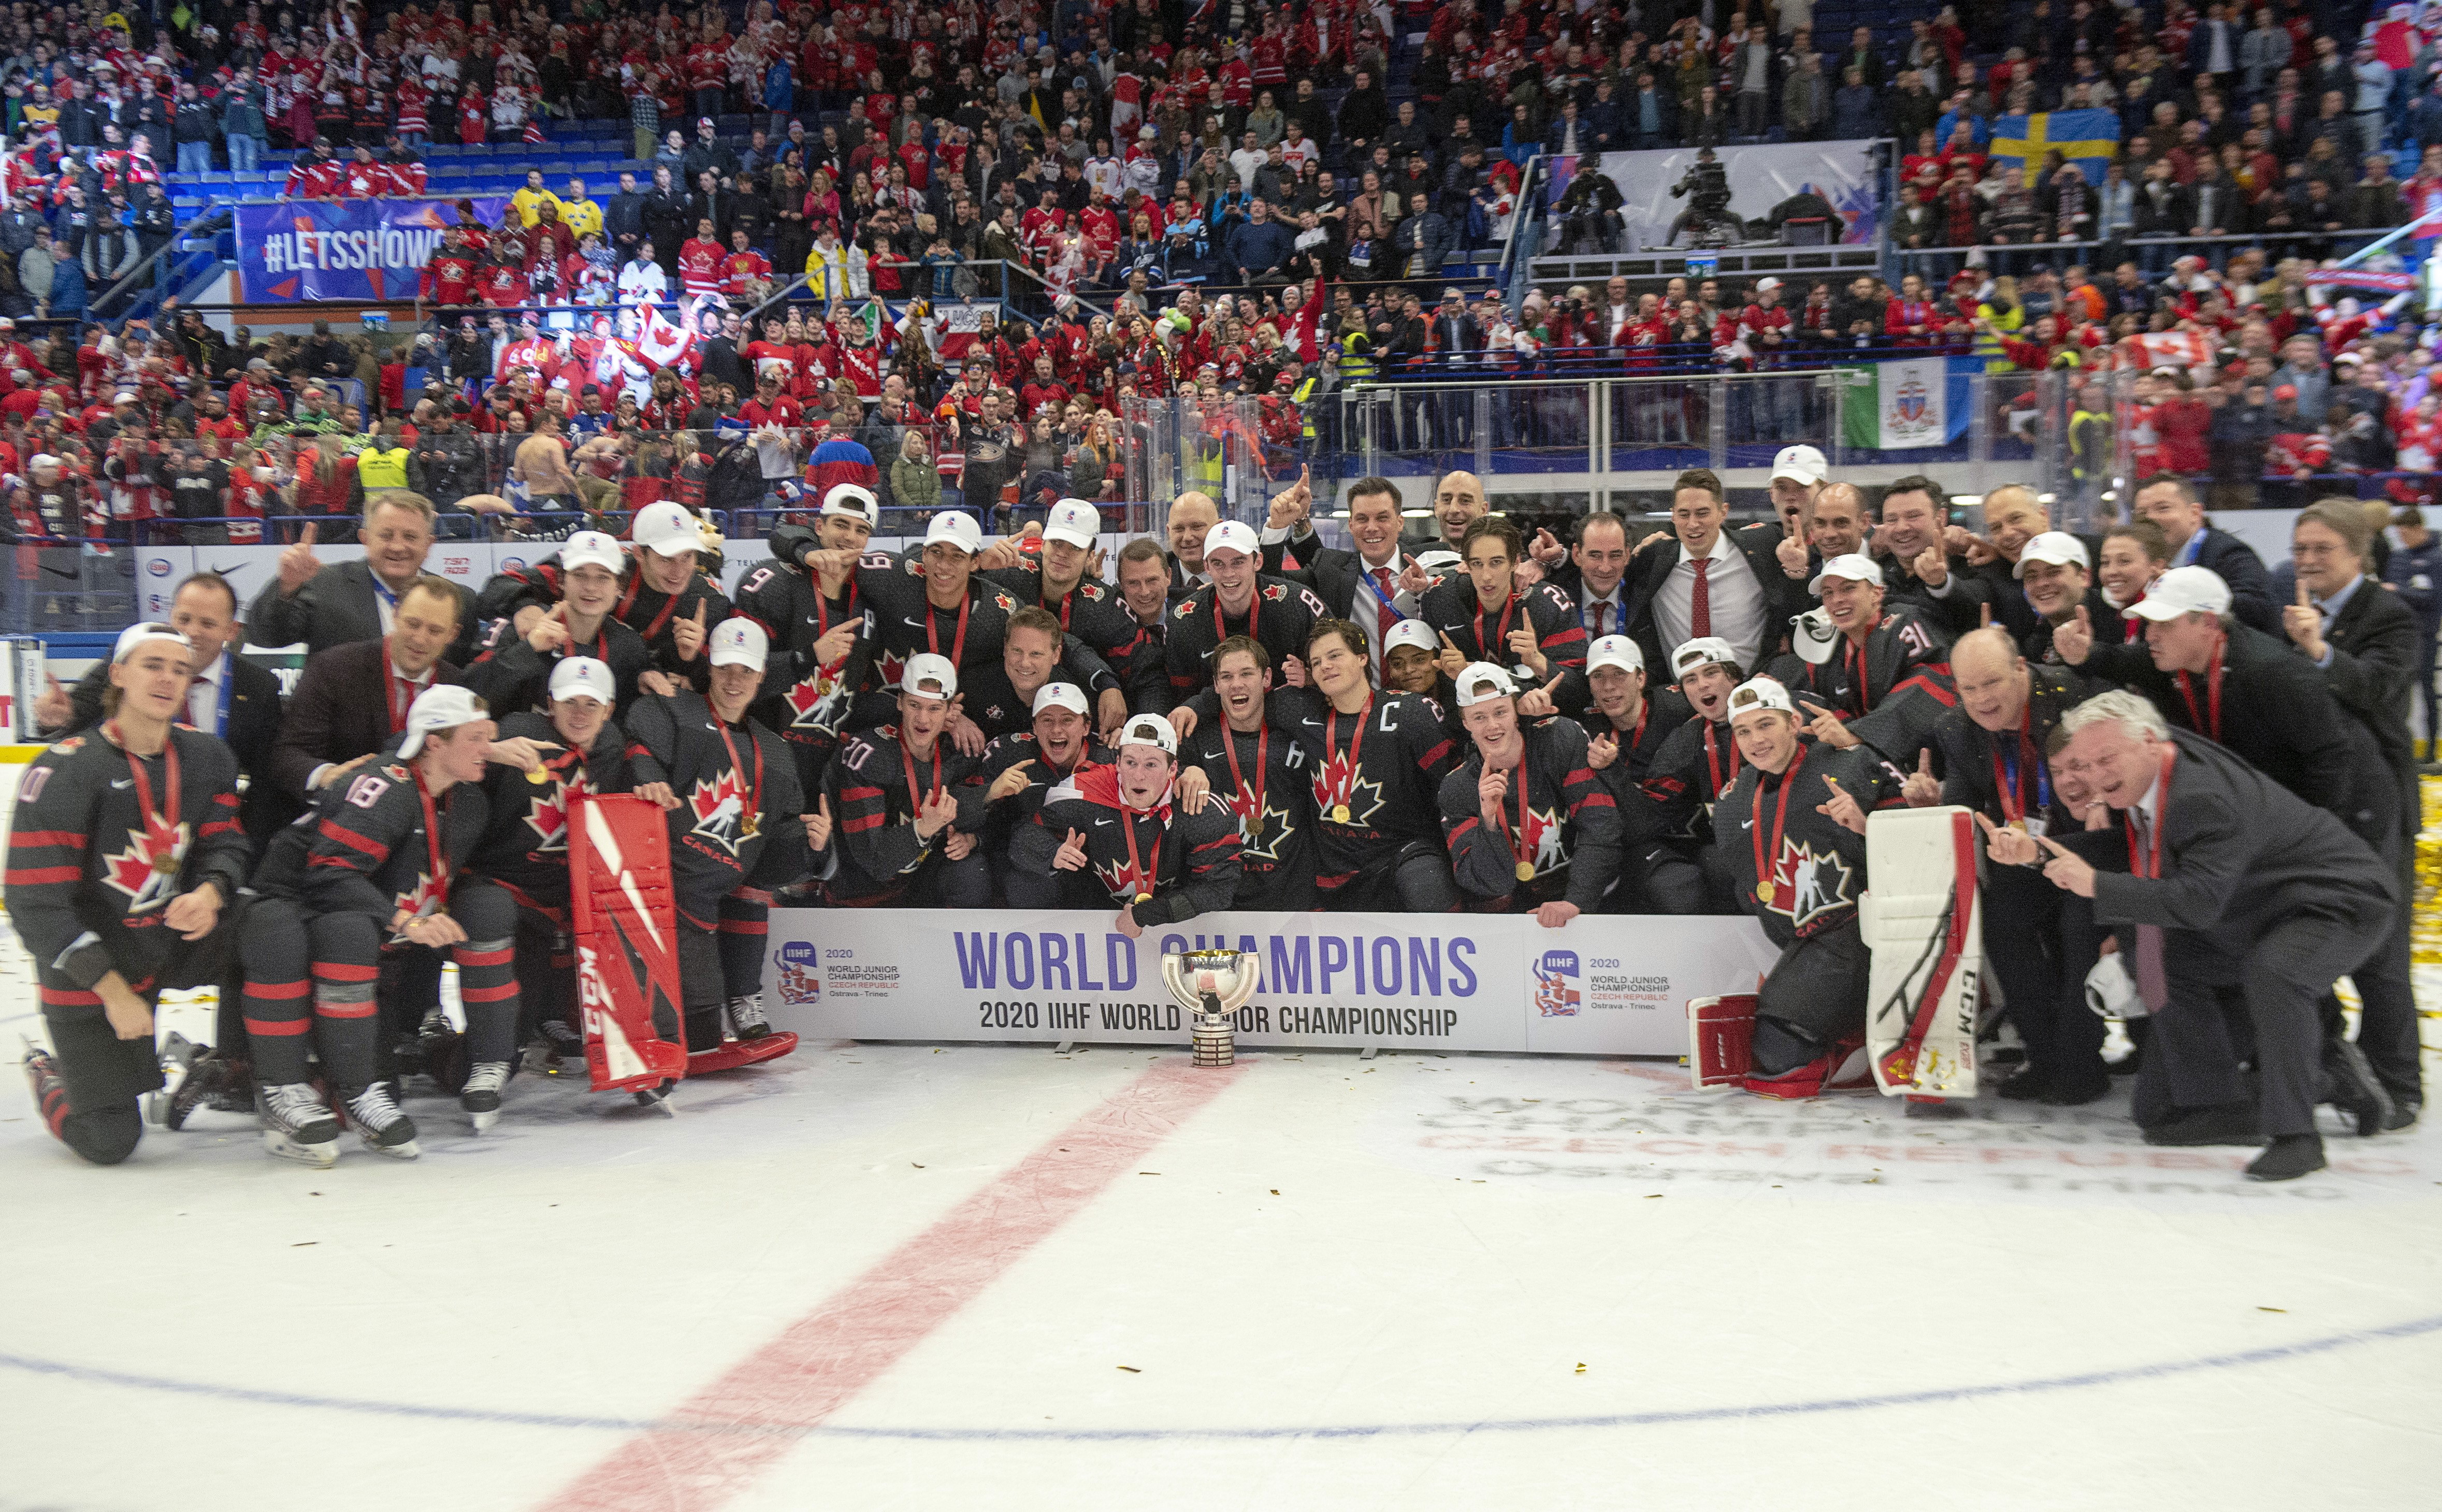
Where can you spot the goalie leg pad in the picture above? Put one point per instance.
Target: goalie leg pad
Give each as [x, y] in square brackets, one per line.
[731, 1054]
[1721, 1031]
[625, 927]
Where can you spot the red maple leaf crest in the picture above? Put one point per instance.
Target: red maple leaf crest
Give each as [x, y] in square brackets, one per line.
[422, 897]
[549, 815]
[132, 872]
[805, 698]
[718, 806]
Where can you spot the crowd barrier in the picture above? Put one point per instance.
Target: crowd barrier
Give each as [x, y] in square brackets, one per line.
[1604, 985]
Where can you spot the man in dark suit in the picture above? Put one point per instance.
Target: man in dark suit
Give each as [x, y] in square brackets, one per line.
[1360, 586]
[2171, 501]
[2241, 897]
[1595, 573]
[353, 698]
[324, 607]
[2366, 643]
[1919, 567]
[1712, 582]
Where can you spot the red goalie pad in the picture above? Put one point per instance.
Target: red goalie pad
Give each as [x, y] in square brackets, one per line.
[1720, 1034]
[626, 942]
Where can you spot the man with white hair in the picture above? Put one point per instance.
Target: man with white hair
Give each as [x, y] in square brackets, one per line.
[2236, 896]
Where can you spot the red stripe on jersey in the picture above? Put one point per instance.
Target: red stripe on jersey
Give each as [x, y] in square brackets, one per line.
[488, 995]
[1433, 756]
[1597, 800]
[1464, 825]
[1210, 844]
[363, 1010]
[1580, 774]
[278, 1028]
[32, 876]
[68, 997]
[353, 839]
[744, 926]
[277, 989]
[46, 837]
[484, 958]
[217, 827]
[857, 794]
[858, 827]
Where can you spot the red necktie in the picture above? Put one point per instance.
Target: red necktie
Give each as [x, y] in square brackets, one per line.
[1602, 618]
[1390, 614]
[1700, 604]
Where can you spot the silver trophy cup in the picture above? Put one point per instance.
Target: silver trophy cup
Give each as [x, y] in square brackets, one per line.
[1213, 985]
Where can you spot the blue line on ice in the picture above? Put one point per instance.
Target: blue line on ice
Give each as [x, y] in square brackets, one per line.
[1933, 1396]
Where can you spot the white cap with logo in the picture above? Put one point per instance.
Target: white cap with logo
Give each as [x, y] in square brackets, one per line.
[1480, 683]
[1076, 522]
[1802, 463]
[1232, 536]
[853, 499]
[442, 706]
[591, 548]
[1150, 729]
[1061, 696]
[1615, 651]
[2057, 547]
[958, 530]
[2183, 591]
[1854, 566]
[1703, 651]
[136, 636]
[583, 677]
[1761, 693]
[739, 642]
[1411, 632]
[927, 667]
[666, 528]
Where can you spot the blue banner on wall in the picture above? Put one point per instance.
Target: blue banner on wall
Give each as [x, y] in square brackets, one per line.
[353, 249]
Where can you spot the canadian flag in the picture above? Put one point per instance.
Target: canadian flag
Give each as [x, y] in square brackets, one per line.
[662, 344]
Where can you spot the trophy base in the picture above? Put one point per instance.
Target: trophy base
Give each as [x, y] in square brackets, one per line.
[1215, 1039]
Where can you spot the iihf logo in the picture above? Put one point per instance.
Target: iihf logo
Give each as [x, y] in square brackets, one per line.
[801, 973]
[1555, 993]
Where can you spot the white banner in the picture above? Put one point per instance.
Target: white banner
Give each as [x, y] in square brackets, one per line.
[1603, 985]
[1760, 178]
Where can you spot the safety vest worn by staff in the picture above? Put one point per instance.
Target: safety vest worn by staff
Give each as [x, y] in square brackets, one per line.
[382, 469]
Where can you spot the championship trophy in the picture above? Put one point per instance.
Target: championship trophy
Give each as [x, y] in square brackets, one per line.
[1211, 985]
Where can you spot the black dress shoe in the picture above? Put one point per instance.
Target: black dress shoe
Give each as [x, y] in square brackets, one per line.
[2027, 1083]
[2288, 1158]
[2223, 1123]
[2353, 1087]
[2078, 1093]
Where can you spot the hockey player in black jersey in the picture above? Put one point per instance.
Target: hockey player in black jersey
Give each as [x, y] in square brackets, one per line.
[1261, 776]
[376, 865]
[1482, 615]
[124, 853]
[1057, 580]
[1017, 769]
[814, 614]
[737, 825]
[1796, 853]
[511, 672]
[1034, 653]
[1864, 673]
[523, 848]
[1667, 828]
[1124, 826]
[1274, 612]
[908, 820]
[1625, 723]
[1529, 828]
[1411, 663]
[663, 598]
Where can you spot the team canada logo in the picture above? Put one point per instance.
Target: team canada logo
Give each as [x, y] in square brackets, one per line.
[720, 809]
[815, 702]
[1538, 839]
[1344, 795]
[549, 816]
[424, 898]
[1261, 832]
[1808, 884]
[136, 870]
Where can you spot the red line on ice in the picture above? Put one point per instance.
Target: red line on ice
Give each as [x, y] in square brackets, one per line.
[708, 1452]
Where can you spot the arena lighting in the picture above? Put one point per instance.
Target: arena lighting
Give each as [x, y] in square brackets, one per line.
[2047, 498]
[1339, 513]
[1966, 501]
[1411, 514]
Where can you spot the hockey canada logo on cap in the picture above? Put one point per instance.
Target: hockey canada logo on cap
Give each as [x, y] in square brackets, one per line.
[1555, 984]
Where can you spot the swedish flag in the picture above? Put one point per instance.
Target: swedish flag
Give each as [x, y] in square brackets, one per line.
[2076, 133]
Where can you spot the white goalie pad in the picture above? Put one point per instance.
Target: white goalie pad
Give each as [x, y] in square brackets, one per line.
[1921, 917]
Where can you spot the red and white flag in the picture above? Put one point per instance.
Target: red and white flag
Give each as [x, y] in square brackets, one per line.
[662, 344]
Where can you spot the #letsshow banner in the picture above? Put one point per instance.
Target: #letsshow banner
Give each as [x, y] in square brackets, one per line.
[1760, 177]
[1603, 985]
[369, 249]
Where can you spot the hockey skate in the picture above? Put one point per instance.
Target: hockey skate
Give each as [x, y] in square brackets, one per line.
[481, 1097]
[220, 1081]
[298, 1124]
[746, 1018]
[379, 1122]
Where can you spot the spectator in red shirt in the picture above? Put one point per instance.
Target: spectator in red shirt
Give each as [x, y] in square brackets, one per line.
[700, 259]
[770, 406]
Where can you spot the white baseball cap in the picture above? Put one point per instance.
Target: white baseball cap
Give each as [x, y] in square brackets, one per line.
[1766, 286]
[1061, 696]
[1698, 653]
[136, 636]
[1232, 536]
[927, 667]
[1440, 561]
[666, 528]
[1150, 729]
[1761, 693]
[1615, 651]
[1812, 635]
[1480, 683]
[1411, 632]
[442, 706]
[739, 642]
[583, 677]
[1076, 522]
[958, 530]
[1854, 566]
[1802, 462]
[2057, 547]
[2183, 591]
[852, 499]
[42, 459]
[592, 547]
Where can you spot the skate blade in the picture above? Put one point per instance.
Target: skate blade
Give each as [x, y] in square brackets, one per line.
[320, 1155]
[405, 1150]
[485, 1120]
[658, 1099]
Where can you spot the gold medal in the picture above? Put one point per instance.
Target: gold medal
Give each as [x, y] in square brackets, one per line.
[166, 865]
[1340, 814]
[1144, 897]
[538, 776]
[1764, 892]
[1525, 871]
[748, 826]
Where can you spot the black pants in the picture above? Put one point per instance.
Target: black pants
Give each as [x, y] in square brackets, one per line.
[2041, 975]
[1815, 994]
[2387, 1023]
[98, 1113]
[1417, 880]
[1671, 877]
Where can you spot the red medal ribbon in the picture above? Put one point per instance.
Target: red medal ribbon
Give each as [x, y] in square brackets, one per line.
[433, 849]
[167, 818]
[1779, 816]
[752, 805]
[2013, 804]
[1488, 650]
[2209, 720]
[1713, 758]
[1254, 613]
[957, 643]
[907, 764]
[1355, 741]
[1143, 880]
[1263, 765]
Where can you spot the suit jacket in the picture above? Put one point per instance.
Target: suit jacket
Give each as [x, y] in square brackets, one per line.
[2374, 639]
[2251, 587]
[254, 722]
[339, 711]
[1782, 597]
[337, 608]
[2240, 853]
[1332, 572]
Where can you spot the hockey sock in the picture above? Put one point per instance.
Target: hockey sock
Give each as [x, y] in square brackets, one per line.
[1779, 1046]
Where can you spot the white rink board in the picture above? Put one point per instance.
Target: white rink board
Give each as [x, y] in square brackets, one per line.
[1602, 986]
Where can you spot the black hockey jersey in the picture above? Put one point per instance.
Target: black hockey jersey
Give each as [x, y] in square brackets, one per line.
[736, 821]
[1697, 761]
[1452, 609]
[366, 847]
[510, 675]
[86, 885]
[1767, 829]
[873, 809]
[1187, 862]
[1092, 612]
[1270, 789]
[1892, 689]
[804, 699]
[1042, 776]
[1557, 820]
[646, 609]
[524, 843]
[1659, 715]
[1376, 774]
[1280, 619]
